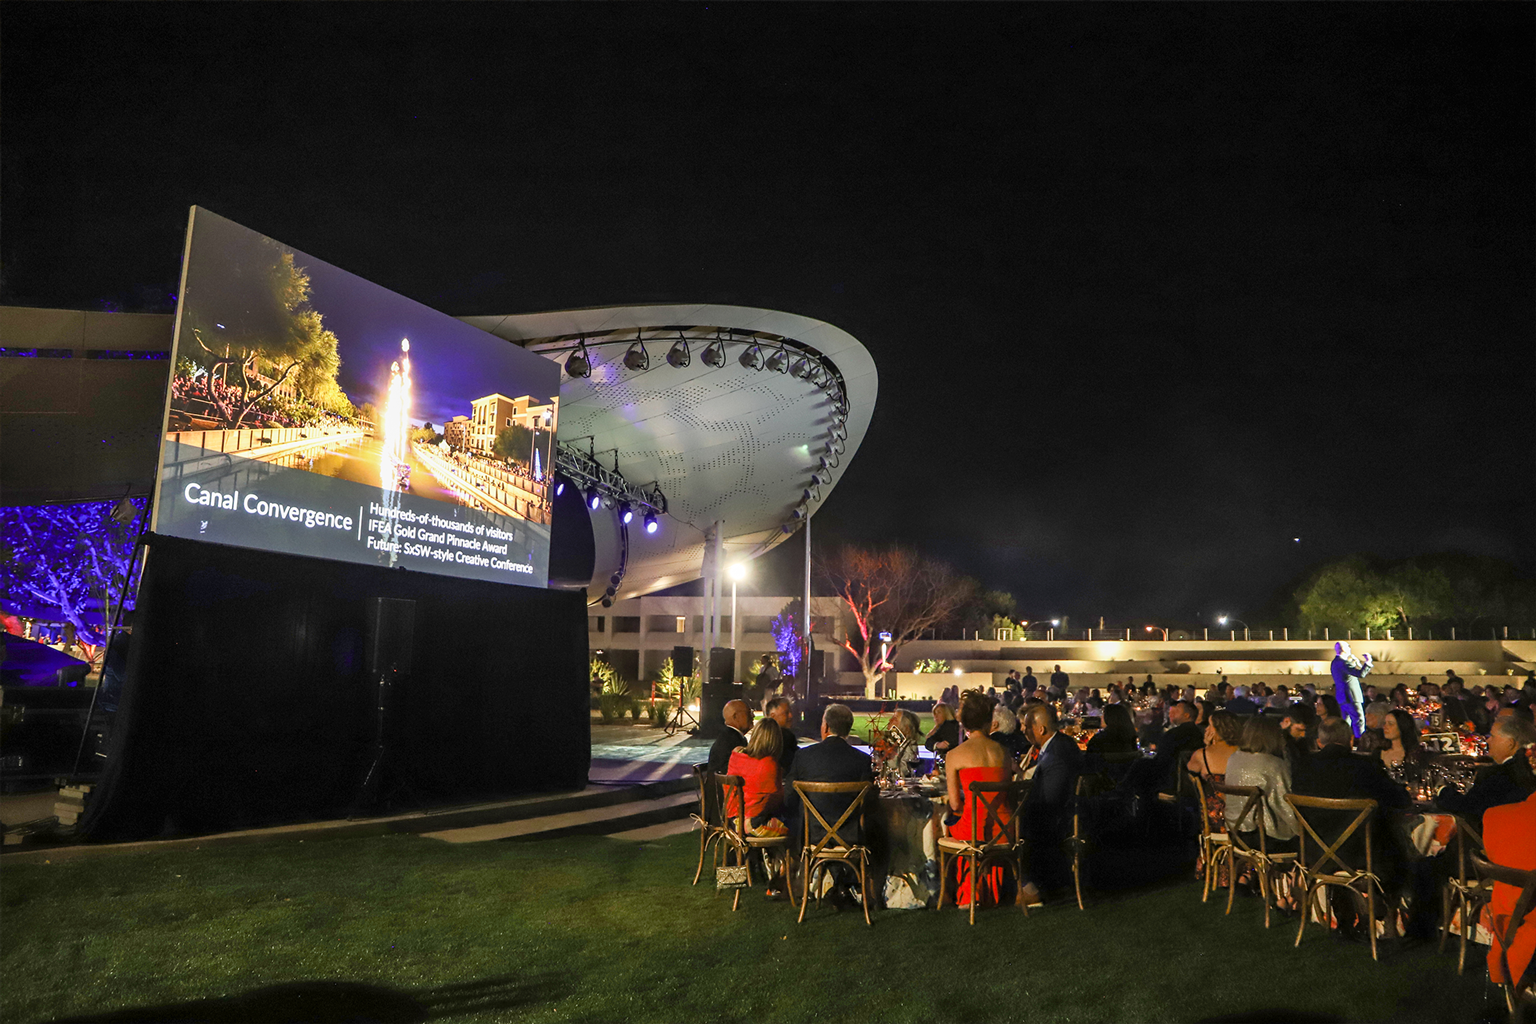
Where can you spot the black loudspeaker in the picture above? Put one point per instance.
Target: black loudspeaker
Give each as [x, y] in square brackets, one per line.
[682, 661]
[722, 665]
[712, 700]
[390, 638]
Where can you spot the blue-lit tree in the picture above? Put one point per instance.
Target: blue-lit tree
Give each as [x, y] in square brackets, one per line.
[788, 639]
[68, 557]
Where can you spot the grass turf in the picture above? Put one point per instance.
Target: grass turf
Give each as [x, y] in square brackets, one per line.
[401, 927]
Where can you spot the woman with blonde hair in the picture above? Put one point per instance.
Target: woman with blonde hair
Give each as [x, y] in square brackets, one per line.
[758, 765]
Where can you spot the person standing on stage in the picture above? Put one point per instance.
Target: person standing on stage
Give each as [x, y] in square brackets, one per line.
[1348, 670]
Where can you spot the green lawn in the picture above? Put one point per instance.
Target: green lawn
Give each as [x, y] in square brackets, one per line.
[405, 928]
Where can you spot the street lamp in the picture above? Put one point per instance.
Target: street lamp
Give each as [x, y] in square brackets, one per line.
[1158, 629]
[738, 572]
[1222, 619]
[1054, 624]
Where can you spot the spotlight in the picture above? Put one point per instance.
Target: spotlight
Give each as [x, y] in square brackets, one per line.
[580, 363]
[560, 486]
[614, 581]
[626, 512]
[779, 361]
[836, 446]
[752, 358]
[608, 599]
[595, 501]
[714, 355]
[817, 479]
[652, 524]
[840, 431]
[608, 501]
[828, 464]
[802, 368]
[637, 358]
[679, 356]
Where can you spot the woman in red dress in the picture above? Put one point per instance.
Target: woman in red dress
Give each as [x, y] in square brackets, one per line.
[758, 765]
[976, 759]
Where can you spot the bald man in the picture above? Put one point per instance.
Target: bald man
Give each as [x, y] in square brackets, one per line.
[738, 720]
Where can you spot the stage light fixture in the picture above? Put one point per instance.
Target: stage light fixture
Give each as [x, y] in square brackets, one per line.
[626, 512]
[559, 488]
[836, 446]
[608, 598]
[752, 358]
[801, 368]
[714, 355]
[637, 358]
[839, 430]
[830, 461]
[595, 501]
[679, 356]
[608, 501]
[652, 524]
[580, 363]
[779, 361]
[614, 581]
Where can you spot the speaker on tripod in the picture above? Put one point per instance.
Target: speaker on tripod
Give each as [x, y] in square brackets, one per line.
[387, 648]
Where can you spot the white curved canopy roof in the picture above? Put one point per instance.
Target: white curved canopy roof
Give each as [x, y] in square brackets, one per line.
[729, 444]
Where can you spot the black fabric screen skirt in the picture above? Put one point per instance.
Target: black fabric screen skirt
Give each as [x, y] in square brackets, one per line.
[247, 700]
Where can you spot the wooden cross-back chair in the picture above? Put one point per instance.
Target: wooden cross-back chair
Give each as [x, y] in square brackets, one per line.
[1329, 869]
[988, 802]
[735, 840]
[1264, 864]
[1465, 891]
[831, 848]
[1210, 843]
[1525, 881]
[707, 817]
[1089, 784]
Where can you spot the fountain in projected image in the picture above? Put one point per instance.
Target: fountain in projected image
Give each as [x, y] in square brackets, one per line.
[394, 470]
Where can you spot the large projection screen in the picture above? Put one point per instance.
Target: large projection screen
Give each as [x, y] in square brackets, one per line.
[312, 412]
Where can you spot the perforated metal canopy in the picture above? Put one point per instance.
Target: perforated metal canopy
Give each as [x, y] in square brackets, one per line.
[732, 444]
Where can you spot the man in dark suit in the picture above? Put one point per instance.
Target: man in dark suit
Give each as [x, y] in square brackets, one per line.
[1336, 772]
[1029, 683]
[1182, 738]
[1508, 780]
[1296, 722]
[738, 721]
[834, 759]
[1048, 808]
[779, 709]
[1240, 703]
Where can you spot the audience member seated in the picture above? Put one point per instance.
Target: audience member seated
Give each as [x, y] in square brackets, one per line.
[1222, 735]
[1239, 704]
[946, 731]
[1509, 834]
[1401, 752]
[1005, 732]
[1181, 739]
[1326, 707]
[978, 758]
[834, 759]
[1118, 736]
[738, 719]
[1261, 762]
[1370, 739]
[1297, 724]
[1508, 780]
[758, 765]
[1048, 809]
[779, 709]
[1336, 773]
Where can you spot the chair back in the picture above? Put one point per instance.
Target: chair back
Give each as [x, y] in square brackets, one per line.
[1250, 817]
[830, 839]
[995, 813]
[1329, 852]
[1525, 881]
[709, 804]
[1469, 843]
[733, 786]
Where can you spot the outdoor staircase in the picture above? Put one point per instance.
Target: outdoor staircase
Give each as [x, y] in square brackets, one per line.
[641, 813]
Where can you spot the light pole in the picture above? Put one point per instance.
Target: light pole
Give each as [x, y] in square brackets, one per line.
[1159, 629]
[1054, 624]
[1222, 619]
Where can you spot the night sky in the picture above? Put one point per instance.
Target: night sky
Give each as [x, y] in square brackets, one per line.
[1153, 290]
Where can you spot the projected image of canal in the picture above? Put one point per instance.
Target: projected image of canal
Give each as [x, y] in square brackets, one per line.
[312, 412]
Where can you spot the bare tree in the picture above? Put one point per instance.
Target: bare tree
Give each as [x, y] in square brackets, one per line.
[891, 590]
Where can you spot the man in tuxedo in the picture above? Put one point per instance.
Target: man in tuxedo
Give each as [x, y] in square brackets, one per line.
[779, 709]
[834, 759]
[1048, 808]
[1508, 780]
[738, 721]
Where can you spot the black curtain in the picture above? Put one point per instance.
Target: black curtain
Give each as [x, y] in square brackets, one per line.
[247, 699]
